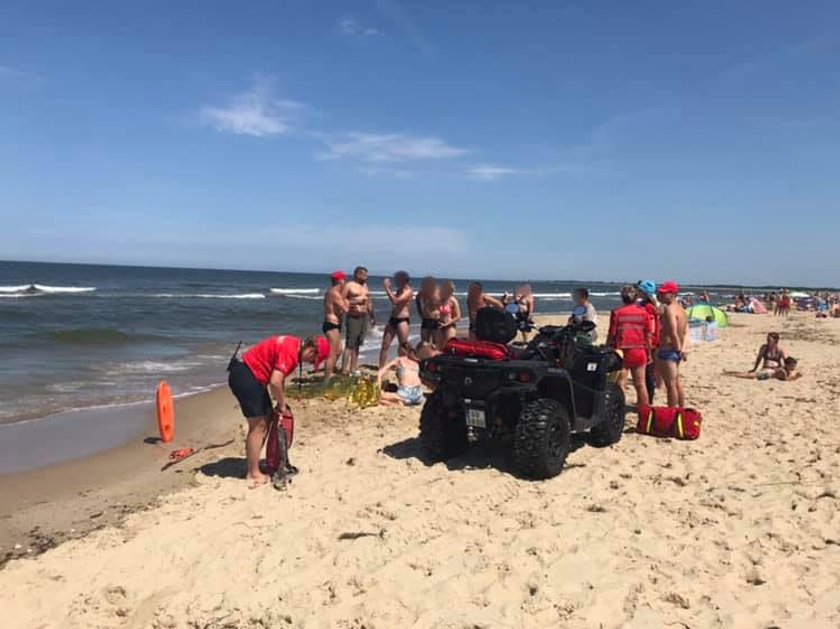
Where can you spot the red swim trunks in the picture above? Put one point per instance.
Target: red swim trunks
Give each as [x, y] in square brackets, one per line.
[635, 358]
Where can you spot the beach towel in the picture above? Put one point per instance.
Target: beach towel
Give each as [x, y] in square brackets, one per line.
[664, 421]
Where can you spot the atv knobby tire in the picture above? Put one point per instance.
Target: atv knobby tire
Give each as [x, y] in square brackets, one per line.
[441, 436]
[609, 431]
[542, 440]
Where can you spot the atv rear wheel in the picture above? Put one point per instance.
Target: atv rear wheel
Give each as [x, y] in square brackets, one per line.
[441, 436]
[609, 431]
[542, 440]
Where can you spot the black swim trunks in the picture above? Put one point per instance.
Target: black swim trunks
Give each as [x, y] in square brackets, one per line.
[430, 324]
[329, 326]
[253, 397]
[356, 331]
[394, 322]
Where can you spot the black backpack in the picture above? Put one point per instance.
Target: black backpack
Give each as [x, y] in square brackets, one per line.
[496, 326]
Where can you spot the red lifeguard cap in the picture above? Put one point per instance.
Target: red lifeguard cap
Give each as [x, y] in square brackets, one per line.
[668, 287]
[323, 347]
[339, 276]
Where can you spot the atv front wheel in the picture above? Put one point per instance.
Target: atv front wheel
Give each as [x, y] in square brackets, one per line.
[609, 431]
[542, 440]
[442, 437]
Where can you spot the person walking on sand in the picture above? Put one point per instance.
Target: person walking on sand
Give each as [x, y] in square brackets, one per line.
[631, 330]
[673, 343]
[450, 314]
[476, 300]
[263, 369]
[335, 305]
[359, 313]
[400, 314]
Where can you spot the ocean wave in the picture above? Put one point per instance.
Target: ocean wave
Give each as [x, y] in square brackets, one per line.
[295, 291]
[208, 296]
[94, 337]
[42, 289]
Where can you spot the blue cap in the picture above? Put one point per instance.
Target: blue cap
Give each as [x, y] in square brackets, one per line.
[648, 287]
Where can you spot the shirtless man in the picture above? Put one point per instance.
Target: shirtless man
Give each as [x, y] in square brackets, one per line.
[673, 343]
[476, 300]
[359, 312]
[334, 308]
[401, 301]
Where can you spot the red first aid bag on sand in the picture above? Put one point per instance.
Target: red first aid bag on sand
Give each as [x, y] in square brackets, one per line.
[664, 421]
[477, 349]
[277, 453]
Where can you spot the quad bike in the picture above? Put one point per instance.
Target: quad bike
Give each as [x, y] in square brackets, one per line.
[557, 386]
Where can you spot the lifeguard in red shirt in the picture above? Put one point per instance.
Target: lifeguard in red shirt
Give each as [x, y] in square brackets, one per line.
[631, 329]
[263, 369]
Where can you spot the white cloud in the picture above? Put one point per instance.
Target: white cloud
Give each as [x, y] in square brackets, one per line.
[391, 147]
[490, 172]
[256, 113]
[350, 26]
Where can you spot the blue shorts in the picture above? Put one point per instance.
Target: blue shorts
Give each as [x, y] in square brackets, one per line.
[670, 355]
[411, 396]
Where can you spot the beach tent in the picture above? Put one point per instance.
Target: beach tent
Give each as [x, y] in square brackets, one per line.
[757, 307]
[701, 312]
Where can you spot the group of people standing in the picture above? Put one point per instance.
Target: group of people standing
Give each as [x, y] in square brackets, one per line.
[651, 331]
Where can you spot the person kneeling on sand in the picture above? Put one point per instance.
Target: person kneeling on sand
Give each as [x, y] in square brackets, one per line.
[407, 365]
[787, 371]
[263, 369]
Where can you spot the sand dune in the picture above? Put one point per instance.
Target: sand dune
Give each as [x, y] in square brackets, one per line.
[738, 529]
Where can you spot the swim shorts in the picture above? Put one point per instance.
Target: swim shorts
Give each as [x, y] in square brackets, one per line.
[252, 396]
[394, 322]
[356, 331]
[671, 355]
[634, 358]
[411, 396]
[330, 326]
[430, 324]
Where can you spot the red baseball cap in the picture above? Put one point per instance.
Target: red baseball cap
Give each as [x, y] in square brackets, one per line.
[323, 347]
[339, 276]
[668, 287]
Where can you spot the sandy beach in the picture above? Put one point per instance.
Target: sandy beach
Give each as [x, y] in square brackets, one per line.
[738, 529]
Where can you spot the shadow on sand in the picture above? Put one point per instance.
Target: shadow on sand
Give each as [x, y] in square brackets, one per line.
[494, 453]
[228, 467]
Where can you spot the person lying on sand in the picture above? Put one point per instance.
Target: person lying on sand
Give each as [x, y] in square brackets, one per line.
[263, 369]
[407, 365]
[787, 371]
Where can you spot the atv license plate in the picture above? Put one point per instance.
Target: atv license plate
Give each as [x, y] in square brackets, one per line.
[475, 418]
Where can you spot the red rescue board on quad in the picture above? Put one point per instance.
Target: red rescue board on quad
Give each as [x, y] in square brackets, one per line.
[477, 349]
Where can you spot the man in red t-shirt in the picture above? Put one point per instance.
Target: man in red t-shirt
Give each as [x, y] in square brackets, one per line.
[263, 369]
[631, 329]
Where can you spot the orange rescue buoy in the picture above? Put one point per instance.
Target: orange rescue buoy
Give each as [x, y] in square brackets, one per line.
[165, 413]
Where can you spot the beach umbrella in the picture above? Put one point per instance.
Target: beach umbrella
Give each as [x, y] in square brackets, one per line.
[757, 307]
[701, 312]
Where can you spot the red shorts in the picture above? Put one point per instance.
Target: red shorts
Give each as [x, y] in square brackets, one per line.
[635, 358]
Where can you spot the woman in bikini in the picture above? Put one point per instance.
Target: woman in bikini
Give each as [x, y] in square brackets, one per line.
[786, 372]
[450, 314]
[407, 365]
[770, 355]
[400, 314]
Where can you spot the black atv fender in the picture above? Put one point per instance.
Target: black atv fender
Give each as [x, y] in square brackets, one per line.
[557, 385]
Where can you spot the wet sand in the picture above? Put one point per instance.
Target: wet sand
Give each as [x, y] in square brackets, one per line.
[738, 529]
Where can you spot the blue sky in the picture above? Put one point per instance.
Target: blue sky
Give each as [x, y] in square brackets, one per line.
[603, 140]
